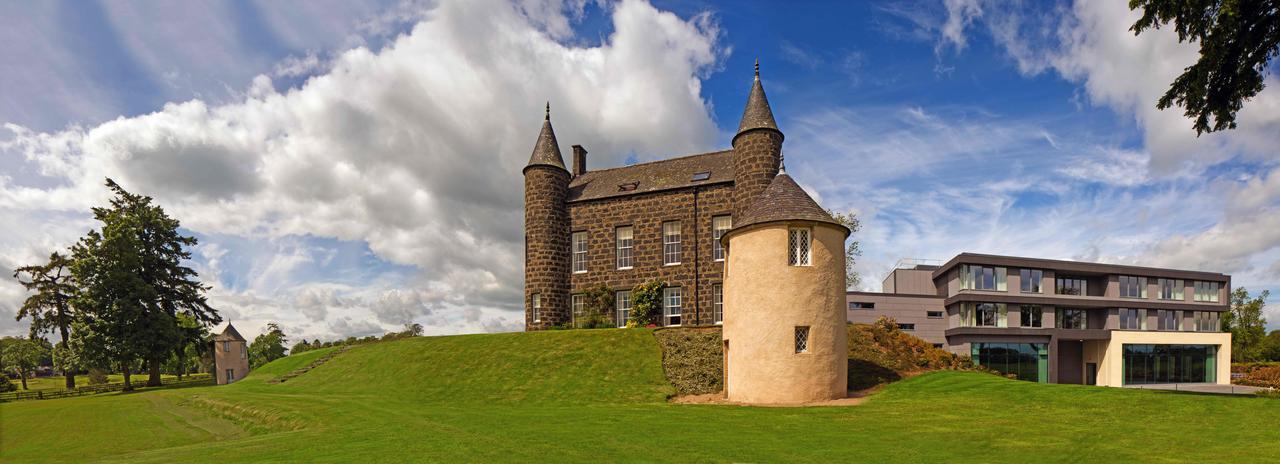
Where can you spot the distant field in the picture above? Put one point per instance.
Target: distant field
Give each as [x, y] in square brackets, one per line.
[592, 396]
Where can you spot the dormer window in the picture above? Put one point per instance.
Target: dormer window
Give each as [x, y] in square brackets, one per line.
[628, 187]
[701, 176]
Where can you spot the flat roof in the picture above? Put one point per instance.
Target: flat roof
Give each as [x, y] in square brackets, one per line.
[1077, 266]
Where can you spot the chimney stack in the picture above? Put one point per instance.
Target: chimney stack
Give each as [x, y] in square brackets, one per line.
[579, 160]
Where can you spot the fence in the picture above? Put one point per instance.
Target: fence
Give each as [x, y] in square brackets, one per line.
[51, 393]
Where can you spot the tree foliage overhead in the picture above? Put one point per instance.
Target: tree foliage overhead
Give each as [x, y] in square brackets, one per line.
[49, 308]
[1238, 39]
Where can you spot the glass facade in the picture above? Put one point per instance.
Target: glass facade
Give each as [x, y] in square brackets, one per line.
[1170, 364]
[1028, 361]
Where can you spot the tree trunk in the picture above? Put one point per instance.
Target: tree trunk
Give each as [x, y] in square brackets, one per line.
[69, 374]
[125, 367]
[154, 366]
[182, 365]
[23, 374]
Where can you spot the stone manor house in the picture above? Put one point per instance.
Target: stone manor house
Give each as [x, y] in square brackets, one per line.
[729, 232]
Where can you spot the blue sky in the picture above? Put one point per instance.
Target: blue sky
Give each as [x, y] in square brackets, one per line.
[351, 167]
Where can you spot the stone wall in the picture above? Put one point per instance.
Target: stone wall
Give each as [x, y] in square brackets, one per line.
[547, 255]
[697, 271]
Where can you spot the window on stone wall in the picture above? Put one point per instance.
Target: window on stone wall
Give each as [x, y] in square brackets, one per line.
[244, 351]
[1170, 289]
[934, 314]
[622, 301]
[671, 243]
[577, 303]
[624, 238]
[671, 301]
[719, 225]
[535, 301]
[799, 240]
[907, 327]
[717, 303]
[802, 339]
[579, 252]
[226, 347]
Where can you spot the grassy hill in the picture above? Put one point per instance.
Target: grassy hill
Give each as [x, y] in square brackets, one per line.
[591, 396]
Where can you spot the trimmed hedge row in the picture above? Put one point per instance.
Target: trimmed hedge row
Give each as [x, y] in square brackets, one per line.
[692, 359]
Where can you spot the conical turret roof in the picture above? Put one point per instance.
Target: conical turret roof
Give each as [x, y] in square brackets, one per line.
[546, 151]
[784, 200]
[758, 114]
[230, 334]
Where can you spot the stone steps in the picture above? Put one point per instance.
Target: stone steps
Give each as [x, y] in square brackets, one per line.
[309, 367]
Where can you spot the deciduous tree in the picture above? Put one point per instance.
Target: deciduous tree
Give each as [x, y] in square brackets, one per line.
[22, 356]
[852, 249]
[1246, 324]
[267, 347]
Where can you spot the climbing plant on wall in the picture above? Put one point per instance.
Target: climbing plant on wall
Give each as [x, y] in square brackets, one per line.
[646, 304]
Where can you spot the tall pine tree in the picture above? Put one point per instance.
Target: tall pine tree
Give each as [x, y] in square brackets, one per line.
[50, 307]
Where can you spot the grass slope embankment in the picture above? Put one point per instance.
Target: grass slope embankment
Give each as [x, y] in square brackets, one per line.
[599, 395]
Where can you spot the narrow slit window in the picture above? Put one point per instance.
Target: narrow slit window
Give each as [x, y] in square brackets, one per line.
[802, 339]
[799, 241]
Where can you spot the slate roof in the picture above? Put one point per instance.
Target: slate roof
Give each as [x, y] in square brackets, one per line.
[668, 174]
[229, 334]
[546, 151]
[758, 114]
[784, 200]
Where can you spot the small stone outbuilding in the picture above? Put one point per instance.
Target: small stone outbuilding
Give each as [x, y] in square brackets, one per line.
[230, 356]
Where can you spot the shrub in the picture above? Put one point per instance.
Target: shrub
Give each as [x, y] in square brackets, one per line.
[6, 385]
[97, 376]
[597, 308]
[1262, 377]
[881, 353]
[692, 359]
[646, 303]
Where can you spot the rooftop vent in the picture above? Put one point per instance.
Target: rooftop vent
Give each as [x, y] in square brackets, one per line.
[701, 176]
[628, 186]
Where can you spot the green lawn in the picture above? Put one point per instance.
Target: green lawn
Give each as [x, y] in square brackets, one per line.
[591, 396]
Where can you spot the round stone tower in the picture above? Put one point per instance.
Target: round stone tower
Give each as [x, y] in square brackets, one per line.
[785, 335]
[546, 224]
[757, 148]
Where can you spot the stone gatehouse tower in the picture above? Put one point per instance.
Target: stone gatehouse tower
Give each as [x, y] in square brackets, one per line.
[230, 356]
[624, 226]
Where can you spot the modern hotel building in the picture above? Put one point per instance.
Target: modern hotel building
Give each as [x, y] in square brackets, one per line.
[1062, 321]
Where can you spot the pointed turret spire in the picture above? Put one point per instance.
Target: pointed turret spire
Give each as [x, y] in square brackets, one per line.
[546, 151]
[757, 115]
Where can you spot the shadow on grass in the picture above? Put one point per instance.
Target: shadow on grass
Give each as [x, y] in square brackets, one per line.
[864, 374]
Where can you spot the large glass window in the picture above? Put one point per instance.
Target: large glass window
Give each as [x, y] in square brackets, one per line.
[984, 314]
[579, 252]
[1072, 286]
[1133, 319]
[1168, 319]
[717, 303]
[798, 241]
[1031, 316]
[1205, 321]
[671, 302]
[1072, 319]
[622, 302]
[719, 226]
[1207, 291]
[671, 242]
[1170, 364]
[1030, 280]
[1027, 361]
[1170, 289]
[1133, 287]
[983, 278]
[625, 235]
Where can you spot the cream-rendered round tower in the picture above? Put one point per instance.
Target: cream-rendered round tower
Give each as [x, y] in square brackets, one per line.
[785, 335]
